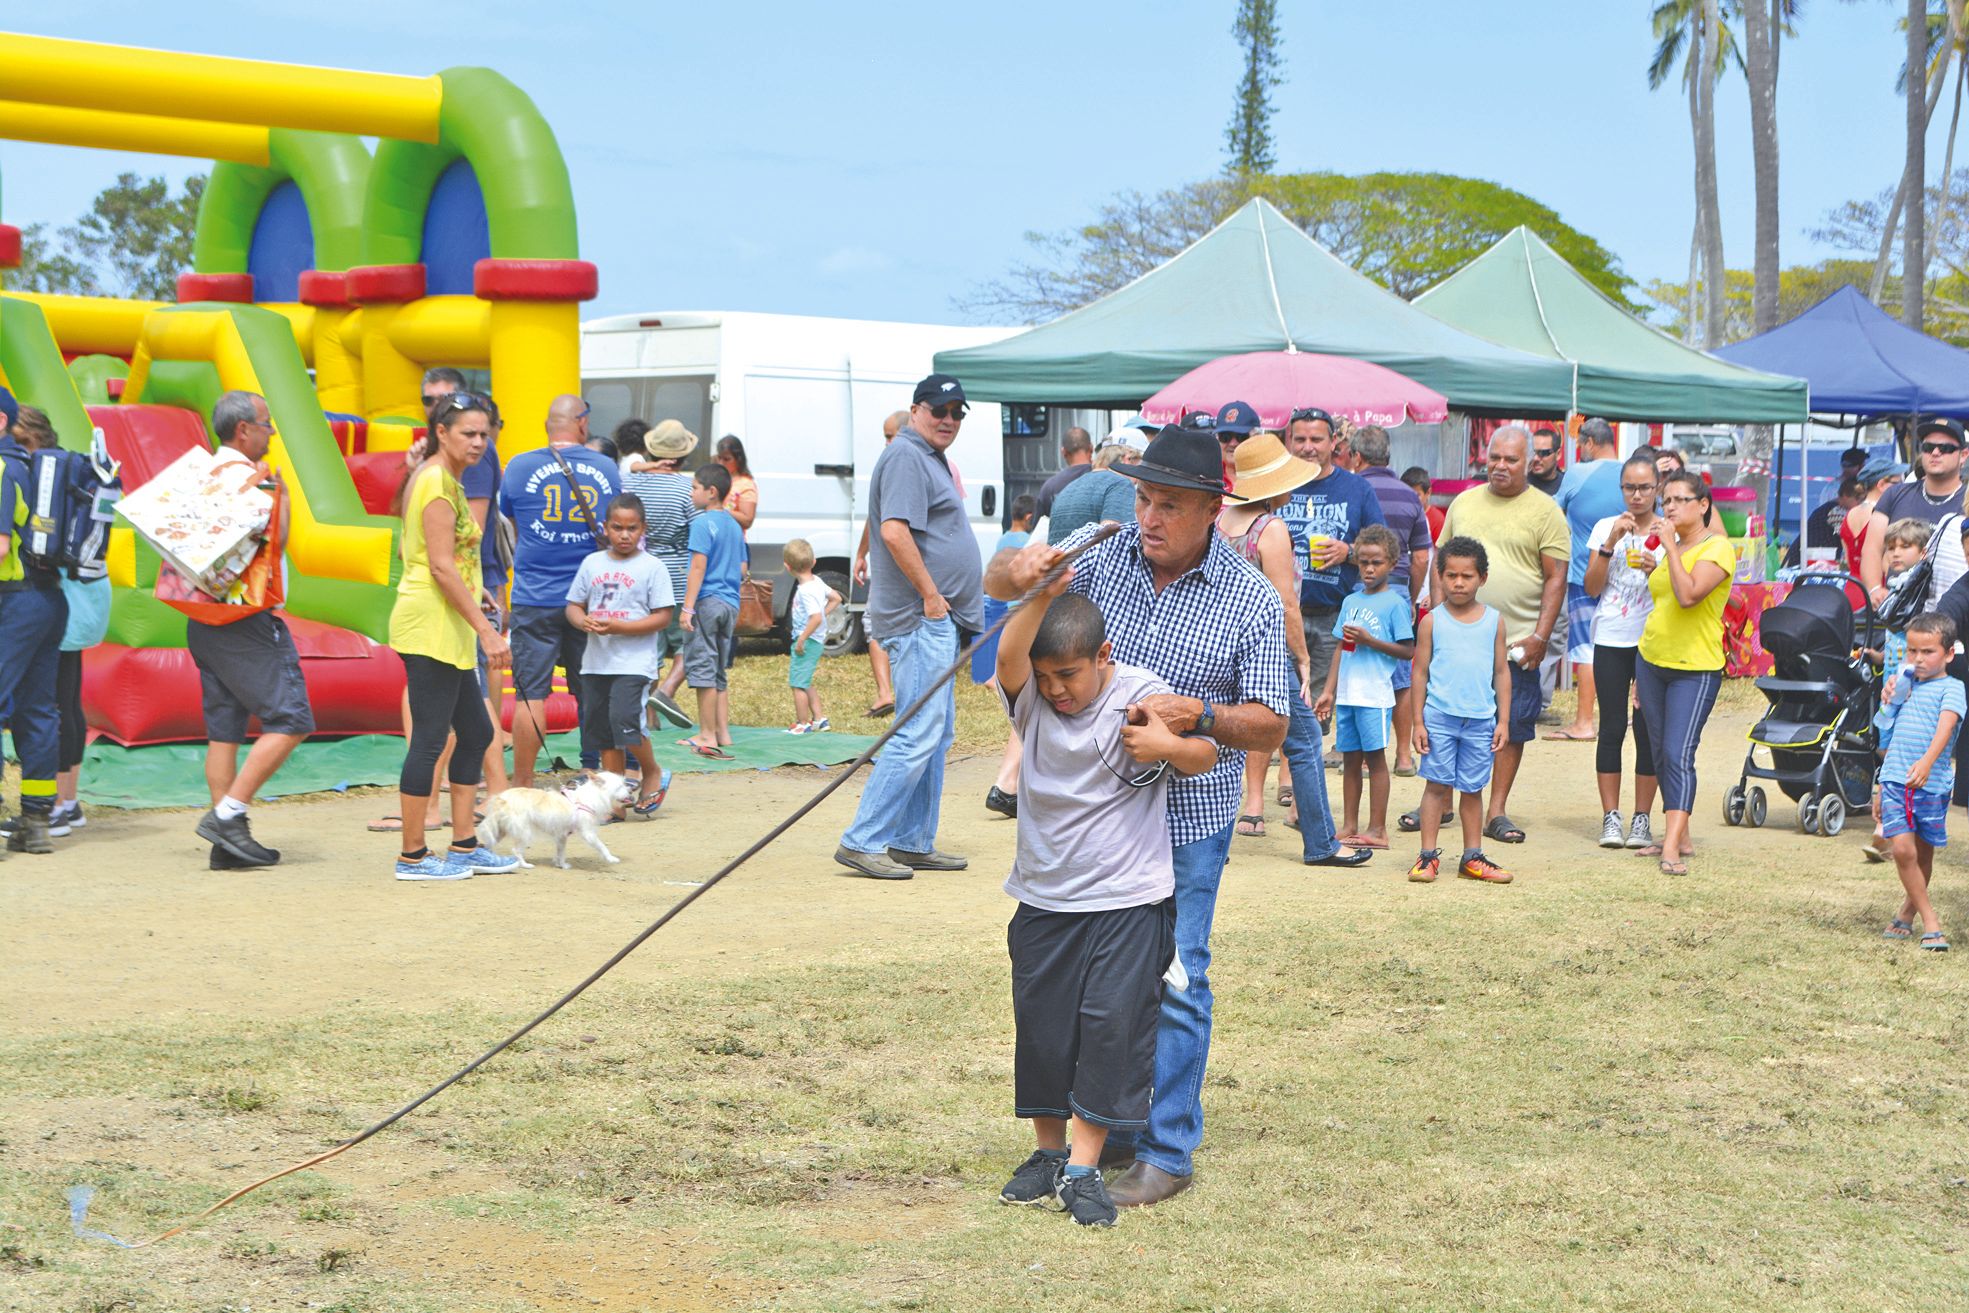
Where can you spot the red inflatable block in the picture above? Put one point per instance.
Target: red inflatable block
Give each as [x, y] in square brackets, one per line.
[535, 280]
[377, 475]
[385, 282]
[146, 439]
[324, 287]
[215, 287]
[10, 246]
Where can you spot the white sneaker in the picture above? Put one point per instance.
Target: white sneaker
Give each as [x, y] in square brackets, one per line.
[802, 728]
[1611, 832]
[1640, 834]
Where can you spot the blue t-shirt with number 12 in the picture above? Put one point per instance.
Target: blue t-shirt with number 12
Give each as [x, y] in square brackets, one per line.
[551, 537]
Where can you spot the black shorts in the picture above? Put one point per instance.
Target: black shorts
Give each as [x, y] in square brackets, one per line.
[542, 638]
[612, 710]
[249, 668]
[1087, 995]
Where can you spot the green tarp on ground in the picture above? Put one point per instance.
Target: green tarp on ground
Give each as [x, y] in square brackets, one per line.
[173, 774]
[1255, 282]
[1521, 293]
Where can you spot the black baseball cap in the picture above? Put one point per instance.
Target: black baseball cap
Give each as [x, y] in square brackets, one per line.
[1938, 425]
[1181, 457]
[1853, 457]
[1200, 420]
[937, 390]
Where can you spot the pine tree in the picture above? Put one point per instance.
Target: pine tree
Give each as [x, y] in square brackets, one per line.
[1248, 139]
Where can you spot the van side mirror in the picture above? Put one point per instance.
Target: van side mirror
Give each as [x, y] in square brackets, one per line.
[989, 500]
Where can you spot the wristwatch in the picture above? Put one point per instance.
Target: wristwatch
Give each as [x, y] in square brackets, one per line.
[1207, 722]
[1605, 551]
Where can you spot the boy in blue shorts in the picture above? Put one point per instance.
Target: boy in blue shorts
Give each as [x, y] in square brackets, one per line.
[1918, 775]
[1458, 734]
[1374, 628]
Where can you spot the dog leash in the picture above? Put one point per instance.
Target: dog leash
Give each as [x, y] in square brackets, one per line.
[758, 846]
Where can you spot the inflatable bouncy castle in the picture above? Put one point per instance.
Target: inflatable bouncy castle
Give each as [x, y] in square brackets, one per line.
[327, 279]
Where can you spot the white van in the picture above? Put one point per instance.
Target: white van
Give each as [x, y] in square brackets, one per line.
[807, 397]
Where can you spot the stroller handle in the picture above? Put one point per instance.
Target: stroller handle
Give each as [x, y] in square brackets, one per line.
[1798, 574]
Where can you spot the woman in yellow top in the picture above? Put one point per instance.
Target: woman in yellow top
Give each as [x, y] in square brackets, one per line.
[1680, 670]
[437, 628]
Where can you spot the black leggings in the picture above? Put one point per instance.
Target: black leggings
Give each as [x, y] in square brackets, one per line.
[68, 697]
[444, 700]
[1613, 681]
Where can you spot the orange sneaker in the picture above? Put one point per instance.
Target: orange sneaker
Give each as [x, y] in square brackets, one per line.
[1426, 866]
[1480, 867]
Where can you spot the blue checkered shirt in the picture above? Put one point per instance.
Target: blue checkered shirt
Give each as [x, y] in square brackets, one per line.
[1216, 633]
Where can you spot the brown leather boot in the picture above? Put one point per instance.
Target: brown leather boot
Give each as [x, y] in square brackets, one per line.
[1144, 1185]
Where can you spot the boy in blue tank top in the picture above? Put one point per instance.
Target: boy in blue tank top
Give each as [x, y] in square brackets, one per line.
[1461, 679]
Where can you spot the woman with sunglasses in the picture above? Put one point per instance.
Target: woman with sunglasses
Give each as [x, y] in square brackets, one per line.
[1681, 667]
[437, 627]
[1617, 565]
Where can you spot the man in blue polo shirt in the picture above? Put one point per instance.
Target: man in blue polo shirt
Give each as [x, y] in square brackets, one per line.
[1589, 493]
[553, 496]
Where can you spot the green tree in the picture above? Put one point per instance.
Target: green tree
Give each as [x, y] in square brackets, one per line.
[1799, 288]
[134, 241]
[1407, 231]
[1697, 26]
[1248, 139]
[1862, 226]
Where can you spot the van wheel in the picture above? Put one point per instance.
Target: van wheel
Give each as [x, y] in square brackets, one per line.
[842, 635]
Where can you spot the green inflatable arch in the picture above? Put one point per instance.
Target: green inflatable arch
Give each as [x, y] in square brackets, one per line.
[330, 168]
[34, 366]
[495, 127]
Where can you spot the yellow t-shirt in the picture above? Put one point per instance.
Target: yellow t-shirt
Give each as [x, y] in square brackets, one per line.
[1517, 533]
[422, 621]
[1689, 637]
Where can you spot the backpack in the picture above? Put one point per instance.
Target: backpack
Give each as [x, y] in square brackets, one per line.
[71, 499]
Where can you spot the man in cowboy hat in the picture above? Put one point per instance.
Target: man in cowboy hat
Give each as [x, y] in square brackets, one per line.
[1180, 602]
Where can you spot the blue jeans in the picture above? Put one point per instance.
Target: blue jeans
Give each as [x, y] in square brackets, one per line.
[1306, 756]
[905, 786]
[1676, 705]
[1182, 1037]
[31, 623]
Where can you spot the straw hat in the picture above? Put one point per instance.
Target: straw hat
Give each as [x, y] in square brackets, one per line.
[1266, 469]
[669, 440]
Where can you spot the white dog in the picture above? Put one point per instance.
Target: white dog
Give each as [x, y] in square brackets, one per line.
[519, 816]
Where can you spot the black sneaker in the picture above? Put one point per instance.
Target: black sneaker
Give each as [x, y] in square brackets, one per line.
[1085, 1199]
[1005, 804]
[1037, 1181]
[223, 860]
[236, 837]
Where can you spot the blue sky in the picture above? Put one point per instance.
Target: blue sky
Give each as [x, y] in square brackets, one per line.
[877, 160]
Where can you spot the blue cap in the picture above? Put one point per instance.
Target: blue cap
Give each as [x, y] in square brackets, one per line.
[9, 407]
[1238, 417]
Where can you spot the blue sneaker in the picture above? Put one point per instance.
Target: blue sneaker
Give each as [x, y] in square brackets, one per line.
[482, 861]
[432, 866]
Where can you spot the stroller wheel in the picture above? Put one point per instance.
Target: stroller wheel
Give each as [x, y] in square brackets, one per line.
[1808, 812]
[1832, 815]
[1733, 805]
[1759, 806]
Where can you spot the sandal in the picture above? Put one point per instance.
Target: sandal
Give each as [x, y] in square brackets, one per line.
[1251, 827]
[879, 710]
[1360, 841]
[394, 825]
[1874, 852]
[1411, 822]
[1935, 941]
[646, 805]
[1898, 929]
[1503, 830]
[1669, 867]
[1285, 797]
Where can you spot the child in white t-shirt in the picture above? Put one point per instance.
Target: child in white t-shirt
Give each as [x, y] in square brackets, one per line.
[812, 600]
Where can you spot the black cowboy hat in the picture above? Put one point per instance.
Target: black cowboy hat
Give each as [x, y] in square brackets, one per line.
[1181, 457]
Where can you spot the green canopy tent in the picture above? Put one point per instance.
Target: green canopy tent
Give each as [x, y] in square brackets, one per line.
[1255, 282]
[1521, 293]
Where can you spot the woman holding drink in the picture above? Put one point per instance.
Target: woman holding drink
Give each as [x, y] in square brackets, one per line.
[1624, 548]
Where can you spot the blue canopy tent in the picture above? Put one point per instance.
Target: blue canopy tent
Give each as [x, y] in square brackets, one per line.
[1859, 364]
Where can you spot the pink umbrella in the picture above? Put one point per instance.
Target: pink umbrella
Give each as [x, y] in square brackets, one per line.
[1279, 382]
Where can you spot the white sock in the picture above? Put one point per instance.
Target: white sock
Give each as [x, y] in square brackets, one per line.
[228, 808]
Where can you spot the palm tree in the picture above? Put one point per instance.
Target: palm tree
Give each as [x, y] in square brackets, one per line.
[1765, 24]
[1697, 26]
[1947, 42]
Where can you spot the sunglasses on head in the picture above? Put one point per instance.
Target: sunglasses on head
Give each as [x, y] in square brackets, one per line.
[455, 403]
[1305, 413]
[1941, 448]
[950, 410]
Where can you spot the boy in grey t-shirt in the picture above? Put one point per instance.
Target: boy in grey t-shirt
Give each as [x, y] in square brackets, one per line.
[621, 598]
[1095, 880]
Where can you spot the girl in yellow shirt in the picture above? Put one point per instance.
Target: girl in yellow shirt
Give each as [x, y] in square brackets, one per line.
[1680, 670]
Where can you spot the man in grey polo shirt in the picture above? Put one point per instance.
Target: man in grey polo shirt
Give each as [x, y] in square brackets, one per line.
[925, 582]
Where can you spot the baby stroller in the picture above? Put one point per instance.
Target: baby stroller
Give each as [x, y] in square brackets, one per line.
[1818, 731]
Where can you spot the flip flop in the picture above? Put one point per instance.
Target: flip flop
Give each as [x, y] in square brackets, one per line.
[1405, 772]
[1673, 868]
[876, 712]
[715, 754]
[1359, 841]
[1285, 797]
[1564, 736]
[1502, 829]
[394, 825]
[1251, 827]
[1898, 929]
[1411, 822]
